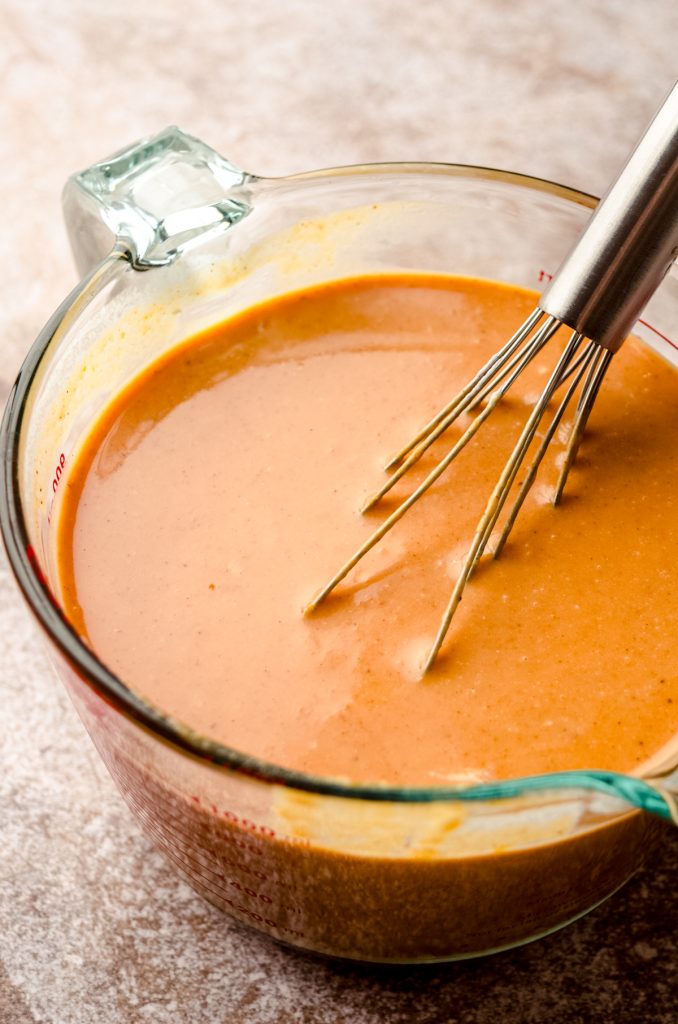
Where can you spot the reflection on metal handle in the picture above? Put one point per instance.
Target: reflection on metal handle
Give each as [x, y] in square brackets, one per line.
[602, 286]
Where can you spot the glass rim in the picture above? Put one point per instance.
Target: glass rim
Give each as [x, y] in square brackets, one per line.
[108, 686]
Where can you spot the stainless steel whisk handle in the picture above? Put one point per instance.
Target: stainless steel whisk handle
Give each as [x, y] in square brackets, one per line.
[602, 286]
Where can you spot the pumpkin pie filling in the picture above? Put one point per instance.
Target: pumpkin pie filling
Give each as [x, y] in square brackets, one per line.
[222, 487]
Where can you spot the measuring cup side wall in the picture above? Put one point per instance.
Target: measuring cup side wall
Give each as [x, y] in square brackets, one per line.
[279, 247]
[382, 220]
[331, 875]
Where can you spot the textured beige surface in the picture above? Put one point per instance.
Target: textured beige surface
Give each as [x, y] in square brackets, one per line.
[93, 926]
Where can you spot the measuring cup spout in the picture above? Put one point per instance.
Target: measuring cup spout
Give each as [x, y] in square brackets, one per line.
[657, 794]
[666, 786]
[153, 200]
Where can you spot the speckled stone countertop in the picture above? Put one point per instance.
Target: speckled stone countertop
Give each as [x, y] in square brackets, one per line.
[94, 926]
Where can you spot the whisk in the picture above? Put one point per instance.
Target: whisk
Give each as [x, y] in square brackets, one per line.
[598, 292]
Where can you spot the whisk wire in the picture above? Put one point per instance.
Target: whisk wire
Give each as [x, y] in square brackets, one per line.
[578, 368]
[485, 373]
[498, 497]
[512, 365]
[588, 396]
[518, 364]
[599, 289]
[588, 365]
[512, 467]
[523, 357]
[404, 507]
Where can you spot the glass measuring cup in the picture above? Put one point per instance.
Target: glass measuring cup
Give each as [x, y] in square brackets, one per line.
[173, 238]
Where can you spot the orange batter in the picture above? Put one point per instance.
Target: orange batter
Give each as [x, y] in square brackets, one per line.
[221, 489]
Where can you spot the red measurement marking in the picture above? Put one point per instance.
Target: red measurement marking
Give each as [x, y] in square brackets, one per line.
[249, 892]
[240, 844]
[659, 334]
[245, 823]
[258, 831]
[58, 472]
[244, 869]
[545, 276]
[258, 919]
[56, 480]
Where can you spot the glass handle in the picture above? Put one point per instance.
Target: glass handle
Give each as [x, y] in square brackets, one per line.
[153, 200]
